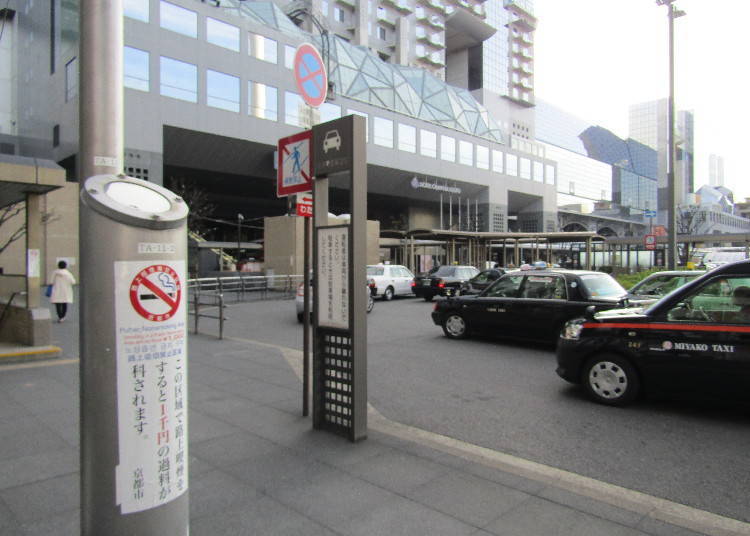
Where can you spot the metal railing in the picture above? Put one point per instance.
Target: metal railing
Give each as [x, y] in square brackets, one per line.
[208, 296]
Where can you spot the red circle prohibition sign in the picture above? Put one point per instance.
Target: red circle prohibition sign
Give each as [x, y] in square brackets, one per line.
[155, 293]
[310, 75]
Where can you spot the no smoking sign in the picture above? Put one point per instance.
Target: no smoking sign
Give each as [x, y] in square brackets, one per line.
[155, 293]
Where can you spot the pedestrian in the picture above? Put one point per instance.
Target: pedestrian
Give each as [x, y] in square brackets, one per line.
[62, 289]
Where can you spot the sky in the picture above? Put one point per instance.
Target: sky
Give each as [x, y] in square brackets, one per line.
[594, 58]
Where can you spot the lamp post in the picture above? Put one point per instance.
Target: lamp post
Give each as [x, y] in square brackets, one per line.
[672, 14]
[240, 219]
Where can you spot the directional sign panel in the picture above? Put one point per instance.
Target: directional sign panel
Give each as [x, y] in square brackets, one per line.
[332, 145]
[294, 170]
[310, 75]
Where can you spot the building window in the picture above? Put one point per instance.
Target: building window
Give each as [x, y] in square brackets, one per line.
[324, 8]
[262, 48]
[383, 134]
[329, 112]
[511, 162]
[293, 105]
[367, 121]
[572, 188]
[179, 80]
[497, 161]
[136, 9]
[222, 91]
[483, 157]
[525, 168]
[466, 153]
[222, 34]
[550, 174]
[538, 172]
[178, 19]
[382, 33]
[289, 52]
[56, 136]
[263, 101]
[338, 14]
[428, 143]
[447, 148]
[71, 79]
[135, 72]
[407, 138]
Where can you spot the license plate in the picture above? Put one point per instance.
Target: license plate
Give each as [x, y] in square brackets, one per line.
[425, 283]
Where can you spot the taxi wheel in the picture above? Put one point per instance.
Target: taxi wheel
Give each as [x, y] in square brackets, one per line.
[610, 379]
[388, 294]
[454, 326]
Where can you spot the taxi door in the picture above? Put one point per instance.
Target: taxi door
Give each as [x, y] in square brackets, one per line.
[493, 311]
[701, 343]
[541, 309]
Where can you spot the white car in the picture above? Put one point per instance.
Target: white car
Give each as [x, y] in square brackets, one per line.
[299, 301]
[390, 280]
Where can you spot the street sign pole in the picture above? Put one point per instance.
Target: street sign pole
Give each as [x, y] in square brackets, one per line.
[340, 322]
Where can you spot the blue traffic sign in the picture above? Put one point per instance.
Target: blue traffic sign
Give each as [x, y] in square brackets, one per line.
[310, 75]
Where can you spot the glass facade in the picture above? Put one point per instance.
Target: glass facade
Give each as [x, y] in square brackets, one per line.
[263, 101]
[222, 91]
[498, 165]
[447, 148]
[329, 112]
[407, 138]
[293, 106]
[135, 69]
[635, 191]
[591, 180]
[222, 34]
[483, 157]
[466, 153]
[71, 79]
[178, 19]
[136, 9]
[383, 132]
[427, 143]
[179, 80]
[511, 164]
[262, 48]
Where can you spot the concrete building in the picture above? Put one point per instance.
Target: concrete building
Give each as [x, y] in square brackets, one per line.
[210, 90]
[649, 124]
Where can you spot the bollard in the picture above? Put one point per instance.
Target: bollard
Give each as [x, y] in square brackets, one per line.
[133, 332]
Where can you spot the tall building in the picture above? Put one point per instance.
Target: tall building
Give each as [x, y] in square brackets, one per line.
[209, 90]
[649, 124]
[715, 170]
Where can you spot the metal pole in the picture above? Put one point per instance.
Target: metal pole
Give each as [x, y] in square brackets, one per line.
[306, 325]
[240, 218]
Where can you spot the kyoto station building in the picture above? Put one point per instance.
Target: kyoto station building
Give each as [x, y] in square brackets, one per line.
[446, 87]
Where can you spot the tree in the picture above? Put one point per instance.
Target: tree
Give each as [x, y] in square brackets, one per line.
[6, 215]
[197, 201]
[690, 218]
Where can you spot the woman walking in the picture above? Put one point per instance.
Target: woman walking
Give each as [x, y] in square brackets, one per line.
[62, 289]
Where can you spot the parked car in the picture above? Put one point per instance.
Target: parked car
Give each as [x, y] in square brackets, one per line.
[481, 281]
[445, 281]
[390, 280]
[299, 301]
[659, 284]
[695, 340]
[533, 304]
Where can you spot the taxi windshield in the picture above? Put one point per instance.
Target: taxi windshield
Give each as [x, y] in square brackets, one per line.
[602, 286]
[375, 270]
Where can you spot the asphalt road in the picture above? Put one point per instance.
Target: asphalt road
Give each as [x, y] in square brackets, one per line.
[507, 397]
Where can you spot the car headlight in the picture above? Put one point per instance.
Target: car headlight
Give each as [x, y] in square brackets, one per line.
[572, 331]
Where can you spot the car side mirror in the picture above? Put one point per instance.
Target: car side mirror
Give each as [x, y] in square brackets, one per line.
[590, 312]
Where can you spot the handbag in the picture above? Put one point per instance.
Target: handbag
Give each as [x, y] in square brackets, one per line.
[48, 291]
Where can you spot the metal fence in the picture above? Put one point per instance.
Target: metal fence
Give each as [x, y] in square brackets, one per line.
[208, 296]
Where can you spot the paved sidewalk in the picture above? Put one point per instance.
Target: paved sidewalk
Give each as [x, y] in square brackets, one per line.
[257, 468]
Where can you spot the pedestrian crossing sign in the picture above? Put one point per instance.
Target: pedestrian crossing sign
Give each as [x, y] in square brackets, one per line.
[294, 170]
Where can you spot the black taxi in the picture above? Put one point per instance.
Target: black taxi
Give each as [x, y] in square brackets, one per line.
[533, 304]
[695, 340]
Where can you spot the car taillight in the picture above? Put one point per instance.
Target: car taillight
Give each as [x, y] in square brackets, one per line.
[435, 307]
[441, 283]
[301, 289]
[413, 283]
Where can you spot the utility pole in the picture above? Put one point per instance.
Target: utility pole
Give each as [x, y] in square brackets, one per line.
[672, 14]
